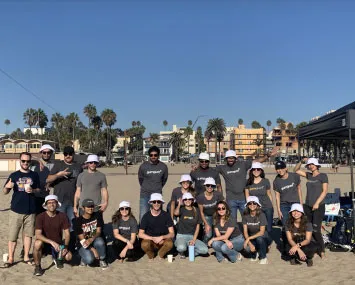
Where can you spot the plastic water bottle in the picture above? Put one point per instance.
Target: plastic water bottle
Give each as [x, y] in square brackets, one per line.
[60, 253]
[191, 252]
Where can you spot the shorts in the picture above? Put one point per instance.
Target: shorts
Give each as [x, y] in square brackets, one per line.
[17, 221]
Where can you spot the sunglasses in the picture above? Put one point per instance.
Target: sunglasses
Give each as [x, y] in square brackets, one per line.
[210, 186]
[68, 154]
[252, 203]
[204, 161]
[188, 200]
[257, 169]
[153, 155]
[25, 161]
[221, 208]
[124, 209]
[46, 152]
[156, 202]
[92, 162]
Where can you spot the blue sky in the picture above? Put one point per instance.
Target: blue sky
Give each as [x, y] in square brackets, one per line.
[175, 60]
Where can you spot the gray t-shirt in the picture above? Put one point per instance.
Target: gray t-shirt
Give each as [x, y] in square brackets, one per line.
[235, 177]
[209, 206]
[126, 228]
[43, 174]
[188, 220]
[288, 188]
[199, 176]
[254, 223]
[152, 177]
[91, 184]
[176, 195]
[231, 223]
[65, 188]
[260, 190]
[315, 187]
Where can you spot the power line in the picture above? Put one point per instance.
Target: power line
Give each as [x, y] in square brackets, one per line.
[26, 89]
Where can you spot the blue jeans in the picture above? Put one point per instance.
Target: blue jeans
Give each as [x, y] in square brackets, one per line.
[236, 205]
[144, 206]
[285, 208]
[182, 243]
[207, 236]
[86, 254]
[221, 248]
[68, 210]
[269, 213]
[261, 244]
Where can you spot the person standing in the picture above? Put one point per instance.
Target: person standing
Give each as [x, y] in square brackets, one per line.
[50, 226]
[24, 184]
[152, 176]
[91, 184]
[202, 172]
[317, 188]
[63, 177]
[43, 168]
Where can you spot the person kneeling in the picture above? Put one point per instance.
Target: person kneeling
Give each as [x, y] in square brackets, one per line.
[156, 229]
[299, 236]
[88, 229]
[229, 240]
[125, 230]
[188, 227]
[50, 226]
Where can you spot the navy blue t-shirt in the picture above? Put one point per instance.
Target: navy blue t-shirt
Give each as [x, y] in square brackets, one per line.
[23, 202]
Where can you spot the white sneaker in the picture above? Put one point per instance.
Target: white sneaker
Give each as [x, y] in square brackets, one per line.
[263, 261]
[256, 258]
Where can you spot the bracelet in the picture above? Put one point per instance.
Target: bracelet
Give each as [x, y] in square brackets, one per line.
[299, 245]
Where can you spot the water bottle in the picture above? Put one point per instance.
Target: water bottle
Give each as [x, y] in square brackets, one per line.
[191, 252]
[60, 253]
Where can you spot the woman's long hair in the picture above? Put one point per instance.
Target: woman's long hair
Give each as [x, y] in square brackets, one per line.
[117, 216]
[301, 231]
[247, 211]
[251, 176]
[216, 216]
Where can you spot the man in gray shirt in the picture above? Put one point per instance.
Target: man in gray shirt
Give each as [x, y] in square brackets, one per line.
[92, 185]
[152, 176]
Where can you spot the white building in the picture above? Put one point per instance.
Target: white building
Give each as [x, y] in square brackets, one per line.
[35, 130]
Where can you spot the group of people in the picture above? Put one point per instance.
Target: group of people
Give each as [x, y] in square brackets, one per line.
[197, 215]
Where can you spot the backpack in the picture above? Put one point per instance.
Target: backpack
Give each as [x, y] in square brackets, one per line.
[342, 232]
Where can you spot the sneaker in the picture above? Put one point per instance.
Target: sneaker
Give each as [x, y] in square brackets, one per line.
[263, 261]
[38, 271]
[103, 264]
[255, 258]
[309, 262]
[239, 257]
[182, 256]
[59, 264]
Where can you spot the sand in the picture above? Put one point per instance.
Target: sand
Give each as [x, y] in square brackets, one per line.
[337, 268]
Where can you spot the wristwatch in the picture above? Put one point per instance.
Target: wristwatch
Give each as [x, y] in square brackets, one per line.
[299, 245]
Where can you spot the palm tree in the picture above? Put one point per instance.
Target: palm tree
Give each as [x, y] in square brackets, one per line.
[280, 121]
[255, 125]
[57, 123]
[177, 141]
[90, 112]
[29, 116]
[217, 127]
[199, 138]
[41, 119]
[97, 123]
[138, 123]
[7, 123]
[165, 123]
[208, 136]
[290, 127]
[240, 121]
[189, 123]
[268, 123]
[188, 132]
[109, 118]
[154, 137]
[134, 123]
[72, 121]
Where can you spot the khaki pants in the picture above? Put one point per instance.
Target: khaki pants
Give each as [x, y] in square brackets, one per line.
[17, 221]
[149, 247]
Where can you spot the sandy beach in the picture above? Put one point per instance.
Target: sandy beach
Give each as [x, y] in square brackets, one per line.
[337, 268]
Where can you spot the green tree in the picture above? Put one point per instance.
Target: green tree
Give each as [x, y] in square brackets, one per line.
[268, 123]
[165, 123]
[90, 112]
[17, 134]
[134, 123]
[71, 122]
[189, 123]
[97, 124]
[300, 125]
[57, 121]
[209, 137]
[255, 125]
[7, 123]
[138, 123]
[188, 132]
[216, 127]
[177, 140]
[29, 116]
[240, 121]
[154, 138]
[199, 139]
[290, 127]
[108, 116]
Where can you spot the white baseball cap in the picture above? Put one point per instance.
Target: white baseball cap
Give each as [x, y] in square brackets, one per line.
[252, 199]
[50, 197]
[313, 160]
[204, 156]
[124, 204]
[92, 158]
[210, 181]
[230, 153]
[188, 195]
[185, 177]
[297, 207]
[156, 197]
[256, 165]
[46, 146]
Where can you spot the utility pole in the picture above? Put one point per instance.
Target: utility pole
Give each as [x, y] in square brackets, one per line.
[125, 152]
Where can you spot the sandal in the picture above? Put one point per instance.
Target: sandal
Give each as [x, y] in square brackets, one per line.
[8, 264]
[28, 262]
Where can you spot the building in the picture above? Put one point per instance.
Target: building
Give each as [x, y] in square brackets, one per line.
[226, 144]
[22, 145]
[166, 150]
[249, 142]
[35, 130]
[286, 140]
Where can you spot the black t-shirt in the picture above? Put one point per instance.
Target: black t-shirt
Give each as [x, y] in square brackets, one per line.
[254, 223]
[156, 226]
[65, 188]
[88, 227]
[23, 202]
[188, 220]
[126, 228]
[231, 223]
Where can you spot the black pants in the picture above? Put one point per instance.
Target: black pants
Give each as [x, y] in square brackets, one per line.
[309, 250]
[119, 245]
[316, 217]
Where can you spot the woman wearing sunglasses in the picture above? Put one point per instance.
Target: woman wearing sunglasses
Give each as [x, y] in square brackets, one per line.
[125, 230]
[317, 188]
[300, 246]
[207, 202]
[178, 192]
[254, 223]
[259, 186]
[188, 227]
[228, 238]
